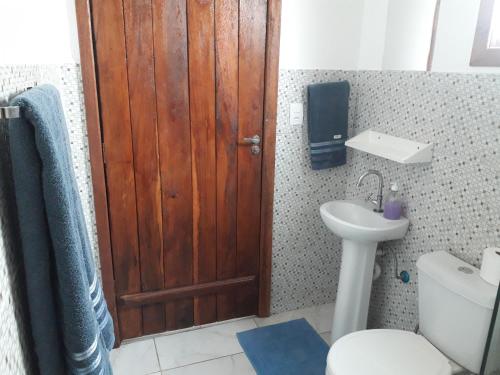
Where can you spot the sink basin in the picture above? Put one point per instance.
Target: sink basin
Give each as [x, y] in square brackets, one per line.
[360, 229]
[356, 221]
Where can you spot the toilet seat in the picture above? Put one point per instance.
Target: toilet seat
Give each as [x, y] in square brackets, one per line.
[385, 352]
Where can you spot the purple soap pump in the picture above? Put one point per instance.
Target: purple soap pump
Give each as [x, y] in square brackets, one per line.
[393, 205]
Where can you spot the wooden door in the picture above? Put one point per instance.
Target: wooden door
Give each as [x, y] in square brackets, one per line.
[181, 88]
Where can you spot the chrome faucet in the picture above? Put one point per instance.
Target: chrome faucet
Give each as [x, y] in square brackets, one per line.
[378, 201]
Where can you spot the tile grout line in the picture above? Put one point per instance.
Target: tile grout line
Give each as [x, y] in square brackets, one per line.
[184, 330]
[206, 360]
[157, 355]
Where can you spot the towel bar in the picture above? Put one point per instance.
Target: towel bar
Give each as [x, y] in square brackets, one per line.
[7, 113]
[10, 112]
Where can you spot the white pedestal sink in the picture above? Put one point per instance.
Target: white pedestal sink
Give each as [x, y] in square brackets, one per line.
[360, 229]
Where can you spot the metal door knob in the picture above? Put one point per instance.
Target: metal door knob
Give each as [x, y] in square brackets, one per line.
[255, 140]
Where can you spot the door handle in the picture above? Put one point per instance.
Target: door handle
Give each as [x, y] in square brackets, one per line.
[255, 140]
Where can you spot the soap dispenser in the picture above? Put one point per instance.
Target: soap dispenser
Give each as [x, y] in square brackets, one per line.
[393, 205]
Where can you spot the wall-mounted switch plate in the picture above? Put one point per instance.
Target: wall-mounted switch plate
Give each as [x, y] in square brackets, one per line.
[296, 113]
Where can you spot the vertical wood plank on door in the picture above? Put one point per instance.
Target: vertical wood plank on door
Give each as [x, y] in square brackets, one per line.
[226, 49]
[93, 120]
[202, 109]
[114, 95]
[252, 46]
[172, 90]
[268, 154]
[141, 73]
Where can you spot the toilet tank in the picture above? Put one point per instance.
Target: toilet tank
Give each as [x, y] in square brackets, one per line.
[455, 307]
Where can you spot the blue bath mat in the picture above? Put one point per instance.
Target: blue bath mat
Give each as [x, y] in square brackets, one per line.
[291, 348]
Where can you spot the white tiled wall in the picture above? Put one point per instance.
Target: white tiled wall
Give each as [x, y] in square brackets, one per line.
[453, 203]
[305, 254]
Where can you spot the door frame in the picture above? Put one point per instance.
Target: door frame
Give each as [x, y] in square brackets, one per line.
[93, 118]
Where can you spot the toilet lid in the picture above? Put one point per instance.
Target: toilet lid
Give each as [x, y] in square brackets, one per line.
[386, 352]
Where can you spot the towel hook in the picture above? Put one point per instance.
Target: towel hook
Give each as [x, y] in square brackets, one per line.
[9, 112]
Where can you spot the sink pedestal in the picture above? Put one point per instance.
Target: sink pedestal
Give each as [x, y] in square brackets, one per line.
[361, 229]
[355, 285]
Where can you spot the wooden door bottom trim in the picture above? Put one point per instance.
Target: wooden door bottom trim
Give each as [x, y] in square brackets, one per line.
[162, 296]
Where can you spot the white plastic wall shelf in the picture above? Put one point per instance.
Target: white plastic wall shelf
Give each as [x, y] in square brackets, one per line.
[393, 148]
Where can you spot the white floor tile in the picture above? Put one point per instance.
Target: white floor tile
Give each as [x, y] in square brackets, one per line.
[327, 336]
[137, 358]
[237, 364]
[319, 317]
[201, 345]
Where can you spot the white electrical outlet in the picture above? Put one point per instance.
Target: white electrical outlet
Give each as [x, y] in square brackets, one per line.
[296, 113]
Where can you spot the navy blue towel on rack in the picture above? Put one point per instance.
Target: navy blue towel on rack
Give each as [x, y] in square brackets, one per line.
[327, 118]
[71, 327]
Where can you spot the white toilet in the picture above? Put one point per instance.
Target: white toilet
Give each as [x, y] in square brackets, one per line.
[455, 309]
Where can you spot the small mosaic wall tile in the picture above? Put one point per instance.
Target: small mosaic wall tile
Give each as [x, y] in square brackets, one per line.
[305, 253]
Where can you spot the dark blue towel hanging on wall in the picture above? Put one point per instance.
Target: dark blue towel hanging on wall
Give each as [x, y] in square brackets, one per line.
[70, 324]
[327, 117]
